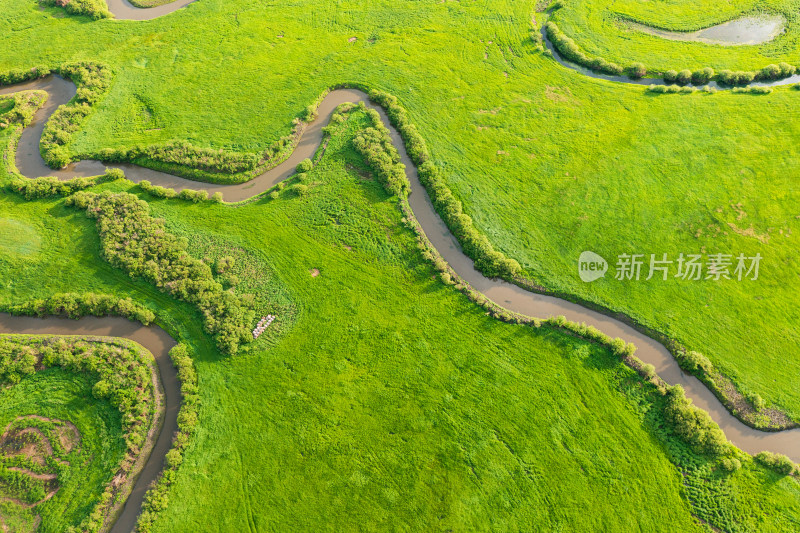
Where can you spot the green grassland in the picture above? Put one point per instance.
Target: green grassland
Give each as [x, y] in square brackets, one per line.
[600, 28]
[547, 162]
[58, 394]
[389, 401]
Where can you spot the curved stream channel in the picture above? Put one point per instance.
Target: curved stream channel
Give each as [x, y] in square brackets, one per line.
[124, 10]
[648, 81]
[512, 297]
[157, 342]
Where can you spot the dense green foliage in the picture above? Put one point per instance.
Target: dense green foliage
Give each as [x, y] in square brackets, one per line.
[570, 50]
[96, 9]
[20, 107]
[137, 243]
[84, 304]
[694, 425]
[51, 186]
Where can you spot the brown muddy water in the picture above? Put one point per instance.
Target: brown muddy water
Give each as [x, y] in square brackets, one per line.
[510, 296]
[157, 342]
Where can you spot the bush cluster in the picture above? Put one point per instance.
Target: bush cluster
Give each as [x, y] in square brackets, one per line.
[570, 50]
[671, 89]
[139, 244]
[693, 425]
[694, 363]
[375, 146]
[93, 81]
[488, 260]
[87, 304]
[157, 497]
[776, 72]
[752, 90]
[24, 107]
[776, 461]
[739, 77]
[186, 194]
[730, 464]
[208, 159]
[48, 186]
[96, 9]
[11, 77]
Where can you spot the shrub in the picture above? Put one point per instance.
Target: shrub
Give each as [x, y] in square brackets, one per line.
[194, 196]
[139, 244]
[756, 401]
[670, 76]
[217, 197]
[693, 425]
[729, 77]
[300, 189]
[787, 69]
[156, 498]
[776, 462]
[730, 464]
[702, 76]
[694, 362]
[375, 145]
[572, 52]
[96, 9]
[684, 77]
[274, 195]
[637, 70]
[304, 166]
[649, 371]
[770, 72]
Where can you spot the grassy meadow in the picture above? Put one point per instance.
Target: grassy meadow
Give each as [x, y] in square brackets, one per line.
[547, 162]
[62, 395]
[383, 399]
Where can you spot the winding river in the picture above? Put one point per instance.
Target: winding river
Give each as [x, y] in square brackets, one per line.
[155, 340]
[512, 297]
[124, 10]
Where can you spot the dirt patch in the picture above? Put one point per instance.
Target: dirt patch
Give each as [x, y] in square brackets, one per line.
[68, 436]
[558, 94]
[314, 272]
[749, 232]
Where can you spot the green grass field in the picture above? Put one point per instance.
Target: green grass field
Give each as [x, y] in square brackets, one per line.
[383, 399]
[390, 401]
[62, 395]
[547, 162]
